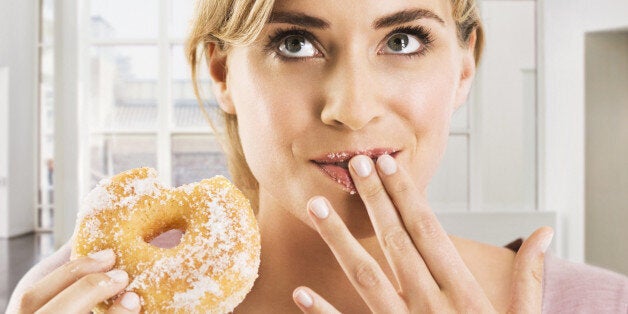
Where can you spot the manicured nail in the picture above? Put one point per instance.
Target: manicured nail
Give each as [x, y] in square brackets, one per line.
[361, 165]
[102, 256]
[304, 298]
[546, 242]
[387, 164]
[130, 301]
[117, 275]
[320, 208]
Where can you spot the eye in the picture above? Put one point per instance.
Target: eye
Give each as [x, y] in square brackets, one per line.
[400, 43]
[296, 46]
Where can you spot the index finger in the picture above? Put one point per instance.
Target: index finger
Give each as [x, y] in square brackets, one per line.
[439, 253]
[61, 278]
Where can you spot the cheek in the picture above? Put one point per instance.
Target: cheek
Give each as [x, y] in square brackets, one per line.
[270, 117]
[425, 105]
[426, 101]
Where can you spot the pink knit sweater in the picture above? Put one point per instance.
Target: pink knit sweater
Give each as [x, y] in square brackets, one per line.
[567, 287]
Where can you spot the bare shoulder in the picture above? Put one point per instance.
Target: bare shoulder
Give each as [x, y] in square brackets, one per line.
[490, 265]
[482, 255]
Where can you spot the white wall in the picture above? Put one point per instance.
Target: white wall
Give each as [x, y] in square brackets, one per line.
[605, 15]
[18, 52]
[506, 121]
[4, 150]
[606, 150]
[561, 121]
[498, 174]
[562, 118]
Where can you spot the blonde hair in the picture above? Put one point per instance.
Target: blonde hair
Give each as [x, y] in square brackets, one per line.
[239, 22]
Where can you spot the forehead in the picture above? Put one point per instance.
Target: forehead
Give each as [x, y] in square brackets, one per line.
[362, 12]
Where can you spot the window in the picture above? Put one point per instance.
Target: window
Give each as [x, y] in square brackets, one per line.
[46, 115]
[140, 102]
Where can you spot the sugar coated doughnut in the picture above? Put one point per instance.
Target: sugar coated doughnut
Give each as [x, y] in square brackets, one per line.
[210, 270]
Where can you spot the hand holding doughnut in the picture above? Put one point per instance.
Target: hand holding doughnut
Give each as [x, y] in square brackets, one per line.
[212, 268]
[428, 269]
[78, 285]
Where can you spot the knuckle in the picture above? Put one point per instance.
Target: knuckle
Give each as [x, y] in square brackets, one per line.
[537, 275]
[77, 268]
[366, 276]
[426, 227]
[427, 306]
[93, 281]
[373, 191]
[397, 239]
[469, 304]
[401, 187]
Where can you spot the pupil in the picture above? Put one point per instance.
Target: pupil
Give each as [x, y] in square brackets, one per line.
[398, 42]
[294, 44]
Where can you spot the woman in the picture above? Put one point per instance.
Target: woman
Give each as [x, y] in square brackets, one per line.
[337, 115]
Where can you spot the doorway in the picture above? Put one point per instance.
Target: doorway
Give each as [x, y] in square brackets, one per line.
[606, 149]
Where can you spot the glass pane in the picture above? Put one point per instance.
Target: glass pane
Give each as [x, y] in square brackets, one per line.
[124, 87]
[46, 192]
[448, 190]
[508, 110]
[112, 154]
[47, 21]
[46, 86]
[195, 158]
[124, 19]
[186, 108]
[46, 134]
[180, 15]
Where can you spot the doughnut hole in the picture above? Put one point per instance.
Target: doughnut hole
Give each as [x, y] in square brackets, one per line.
[167, 239]
[165, 232]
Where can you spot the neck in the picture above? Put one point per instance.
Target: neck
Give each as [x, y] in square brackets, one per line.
[294, 254]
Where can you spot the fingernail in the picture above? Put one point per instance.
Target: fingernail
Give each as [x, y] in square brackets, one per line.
[117, 275]
[304, 298]
[130, 301]
[361, 165]
[102, 256]
[387, 164]
[320, 208]
[546, 242]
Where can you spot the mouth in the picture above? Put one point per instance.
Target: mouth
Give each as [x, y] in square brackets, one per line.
[335, 165]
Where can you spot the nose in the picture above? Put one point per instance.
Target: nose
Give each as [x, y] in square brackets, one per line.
[352, 97]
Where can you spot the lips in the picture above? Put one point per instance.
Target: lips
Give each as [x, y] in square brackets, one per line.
[335, 164]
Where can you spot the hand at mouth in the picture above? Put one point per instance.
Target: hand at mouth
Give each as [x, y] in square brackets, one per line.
[336, 167]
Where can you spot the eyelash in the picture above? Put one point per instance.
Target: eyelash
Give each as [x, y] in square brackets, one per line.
[422, 33]
[279, 35]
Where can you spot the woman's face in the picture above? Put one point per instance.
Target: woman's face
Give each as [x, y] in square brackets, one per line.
[330, 76]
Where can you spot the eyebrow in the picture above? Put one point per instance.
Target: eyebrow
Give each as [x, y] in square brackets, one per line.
[406, 16]
[300, 19]
[393, 19]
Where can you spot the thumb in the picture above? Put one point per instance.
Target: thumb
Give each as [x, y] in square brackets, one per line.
[527, 283]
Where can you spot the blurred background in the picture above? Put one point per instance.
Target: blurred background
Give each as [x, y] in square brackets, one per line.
[90, 88]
